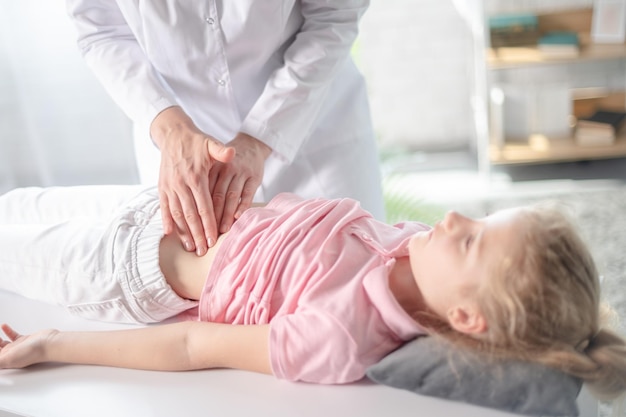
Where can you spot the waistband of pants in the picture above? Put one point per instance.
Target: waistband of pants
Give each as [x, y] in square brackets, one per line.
[153, 296]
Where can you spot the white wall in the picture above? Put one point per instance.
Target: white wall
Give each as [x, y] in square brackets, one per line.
[417, 56]
[57, 125]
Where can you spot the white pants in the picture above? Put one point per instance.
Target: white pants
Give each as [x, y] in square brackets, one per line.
[92, 249]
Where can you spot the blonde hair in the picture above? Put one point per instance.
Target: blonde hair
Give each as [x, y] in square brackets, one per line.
[543, 305]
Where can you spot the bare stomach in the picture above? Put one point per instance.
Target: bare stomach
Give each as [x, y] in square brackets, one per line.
[184, 271]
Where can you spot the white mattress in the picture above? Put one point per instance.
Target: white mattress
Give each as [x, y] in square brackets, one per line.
[71, 390]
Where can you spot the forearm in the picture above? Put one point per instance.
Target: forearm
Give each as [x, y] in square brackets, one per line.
[294, 95]
[111, 50]
[171, 347]
[154, 348]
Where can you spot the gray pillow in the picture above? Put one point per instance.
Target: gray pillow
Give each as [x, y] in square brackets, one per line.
[433, 367]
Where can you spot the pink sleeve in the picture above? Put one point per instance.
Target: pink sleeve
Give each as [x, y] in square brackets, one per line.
[313, 347]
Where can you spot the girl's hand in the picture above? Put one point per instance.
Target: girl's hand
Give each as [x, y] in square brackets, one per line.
[20, 351]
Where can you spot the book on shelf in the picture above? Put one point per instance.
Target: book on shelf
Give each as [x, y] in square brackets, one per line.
[513, 30]
[559, 44]
[521, 46]
[601, 128]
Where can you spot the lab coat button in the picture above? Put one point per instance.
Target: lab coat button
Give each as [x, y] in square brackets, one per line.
[221, 82]
[209, 20]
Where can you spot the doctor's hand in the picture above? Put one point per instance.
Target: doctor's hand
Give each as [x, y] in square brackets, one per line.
[20, 351]
[234, 184]
[187, 157]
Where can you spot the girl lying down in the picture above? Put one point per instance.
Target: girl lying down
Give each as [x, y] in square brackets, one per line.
[311, 290]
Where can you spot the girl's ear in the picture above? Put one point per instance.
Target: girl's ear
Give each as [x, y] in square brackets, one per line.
[467, 319]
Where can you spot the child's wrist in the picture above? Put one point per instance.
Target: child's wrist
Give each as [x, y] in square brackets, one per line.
[50, 349]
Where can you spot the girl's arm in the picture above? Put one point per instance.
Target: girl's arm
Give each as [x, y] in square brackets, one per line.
[171, 347]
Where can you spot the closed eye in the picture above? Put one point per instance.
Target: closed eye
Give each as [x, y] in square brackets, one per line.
[468, 241]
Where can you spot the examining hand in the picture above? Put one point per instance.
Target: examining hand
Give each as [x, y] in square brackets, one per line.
[187, 156]
[20, 351]
[234, 184]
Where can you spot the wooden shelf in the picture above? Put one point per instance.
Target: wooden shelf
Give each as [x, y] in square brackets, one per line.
[539, 149]
[577, 20]
[557, 150]
[532, 56]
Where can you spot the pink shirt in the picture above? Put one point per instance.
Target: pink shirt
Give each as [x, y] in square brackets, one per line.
[317, 271]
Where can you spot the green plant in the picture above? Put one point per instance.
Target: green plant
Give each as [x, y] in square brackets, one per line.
[401, 206]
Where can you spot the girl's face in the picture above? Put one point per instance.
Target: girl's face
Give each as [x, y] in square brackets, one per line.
[459, 254]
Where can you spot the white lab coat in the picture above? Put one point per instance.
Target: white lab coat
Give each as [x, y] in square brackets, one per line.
[278, 70]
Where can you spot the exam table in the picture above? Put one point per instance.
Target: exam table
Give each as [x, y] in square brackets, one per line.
[76, 390]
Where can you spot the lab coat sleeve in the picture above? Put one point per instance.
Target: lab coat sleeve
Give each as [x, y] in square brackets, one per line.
[285, 113]
[112, 52]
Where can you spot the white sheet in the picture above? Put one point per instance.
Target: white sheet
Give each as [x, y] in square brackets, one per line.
[69, 390]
